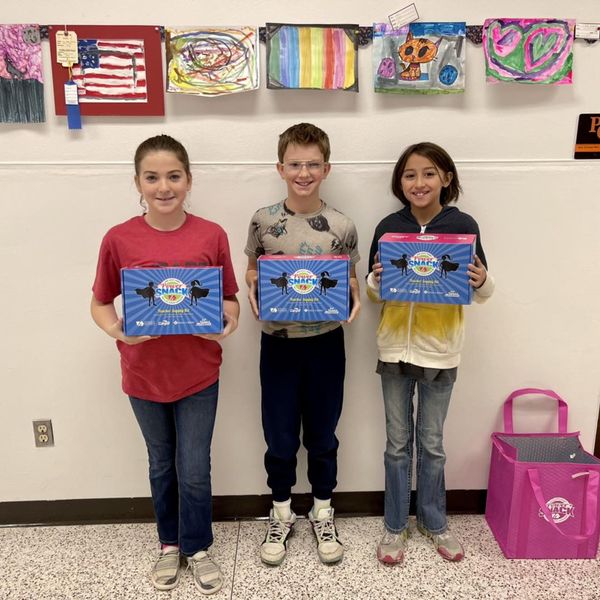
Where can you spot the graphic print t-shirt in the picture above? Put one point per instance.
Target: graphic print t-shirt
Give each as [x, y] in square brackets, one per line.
[277, 230]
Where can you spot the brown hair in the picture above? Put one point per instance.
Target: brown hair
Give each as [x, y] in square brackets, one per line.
[304, 134]
[442, 161]
[164, 143]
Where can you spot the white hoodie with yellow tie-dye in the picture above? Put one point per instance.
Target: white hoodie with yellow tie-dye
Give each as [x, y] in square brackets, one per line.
[423, 334]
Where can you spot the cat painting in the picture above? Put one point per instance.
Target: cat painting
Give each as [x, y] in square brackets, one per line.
[415, 52]
[419, 58]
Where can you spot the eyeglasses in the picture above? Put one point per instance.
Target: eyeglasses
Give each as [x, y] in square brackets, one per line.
[297, 165]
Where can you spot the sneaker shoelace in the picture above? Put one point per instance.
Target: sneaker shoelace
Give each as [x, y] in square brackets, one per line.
[448, 540]
[325, 530]
[167, 560]
[277, 531]
[389, 538]
[204, 566]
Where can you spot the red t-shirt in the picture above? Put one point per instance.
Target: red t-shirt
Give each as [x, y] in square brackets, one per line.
[173, 366]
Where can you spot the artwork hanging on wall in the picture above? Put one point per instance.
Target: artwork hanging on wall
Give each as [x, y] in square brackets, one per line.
[21, 79]
[119, 70]
[318, 57]
[212, 61]
[419, 58]
[534, 51]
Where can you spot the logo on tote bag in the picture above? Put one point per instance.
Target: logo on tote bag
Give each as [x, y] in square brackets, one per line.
[560, 509]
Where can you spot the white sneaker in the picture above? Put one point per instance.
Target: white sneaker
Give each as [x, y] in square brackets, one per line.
[274, 546]
[392, 547]
[329, 547]
[446, 544]
[206, 572]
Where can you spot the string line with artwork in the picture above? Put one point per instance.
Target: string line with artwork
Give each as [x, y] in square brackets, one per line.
[119, 68]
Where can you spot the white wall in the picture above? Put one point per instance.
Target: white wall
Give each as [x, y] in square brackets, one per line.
[536, 207]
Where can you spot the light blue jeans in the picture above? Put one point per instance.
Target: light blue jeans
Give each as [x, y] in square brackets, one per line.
[434, 398]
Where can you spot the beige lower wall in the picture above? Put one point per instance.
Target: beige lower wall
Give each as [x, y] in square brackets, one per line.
[540, 224]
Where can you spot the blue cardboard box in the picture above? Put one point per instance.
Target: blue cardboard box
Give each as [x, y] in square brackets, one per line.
[172, 300]
[426, 267]
[304, 288]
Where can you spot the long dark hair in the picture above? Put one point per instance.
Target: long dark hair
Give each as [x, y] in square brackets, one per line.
[442, 161]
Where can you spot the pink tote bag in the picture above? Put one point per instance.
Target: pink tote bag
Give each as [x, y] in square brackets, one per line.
[542, 498]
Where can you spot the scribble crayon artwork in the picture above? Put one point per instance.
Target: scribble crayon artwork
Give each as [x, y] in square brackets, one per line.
[212, 61]
[420, 58]
[533, 51]
[320, 57]
[21, 80]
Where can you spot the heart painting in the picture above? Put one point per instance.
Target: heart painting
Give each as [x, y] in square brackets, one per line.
[537, 51]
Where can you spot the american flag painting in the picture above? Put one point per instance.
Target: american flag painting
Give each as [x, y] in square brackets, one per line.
[111, 71]
[119, 73]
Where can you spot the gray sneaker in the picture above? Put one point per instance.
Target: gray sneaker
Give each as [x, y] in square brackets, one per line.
[446, 544]
[274, 546]
[206, 572]
[166, 570]
[392, 547]
[329, 547]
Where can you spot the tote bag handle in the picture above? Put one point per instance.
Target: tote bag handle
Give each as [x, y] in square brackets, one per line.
[563, 410]
[591, 504]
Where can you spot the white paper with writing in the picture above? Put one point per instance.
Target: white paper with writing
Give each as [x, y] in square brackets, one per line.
[66, 48]
[405, 15]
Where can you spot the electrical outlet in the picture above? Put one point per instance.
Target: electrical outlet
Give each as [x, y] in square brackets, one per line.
[42, 431]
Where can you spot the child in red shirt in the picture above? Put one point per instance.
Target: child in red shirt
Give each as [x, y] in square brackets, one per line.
[172, 381]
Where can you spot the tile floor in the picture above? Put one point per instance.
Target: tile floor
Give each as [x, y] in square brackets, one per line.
[112, 562]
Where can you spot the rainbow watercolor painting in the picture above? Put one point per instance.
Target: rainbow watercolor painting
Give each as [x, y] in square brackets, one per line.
[21, 79]
[318, 57]
[212, 61]
[534, 51]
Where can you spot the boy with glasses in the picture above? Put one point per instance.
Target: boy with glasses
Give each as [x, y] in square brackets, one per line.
[302, 364]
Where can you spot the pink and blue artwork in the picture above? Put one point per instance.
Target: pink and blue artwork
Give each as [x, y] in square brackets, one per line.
[533, 51]
[21, 81]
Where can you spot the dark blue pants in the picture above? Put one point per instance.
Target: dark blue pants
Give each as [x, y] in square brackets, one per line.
[178, 437]
[302, 383]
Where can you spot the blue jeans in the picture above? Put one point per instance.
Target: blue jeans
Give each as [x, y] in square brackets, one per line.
[434, 397]
[178, 437]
